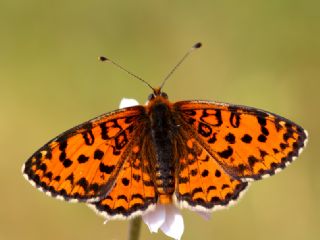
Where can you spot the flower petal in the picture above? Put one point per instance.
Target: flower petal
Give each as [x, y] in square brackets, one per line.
[173, 225]
[128, 102]
[155, 219]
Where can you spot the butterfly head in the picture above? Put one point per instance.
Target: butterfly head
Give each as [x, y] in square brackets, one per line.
[157, 93]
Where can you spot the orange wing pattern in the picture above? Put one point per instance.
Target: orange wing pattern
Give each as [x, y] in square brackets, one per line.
[83, 163]
[133, 192]
[111, 162]
[202, 184]
[248, 143]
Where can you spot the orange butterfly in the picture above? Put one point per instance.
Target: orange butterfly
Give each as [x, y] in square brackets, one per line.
[196, 154]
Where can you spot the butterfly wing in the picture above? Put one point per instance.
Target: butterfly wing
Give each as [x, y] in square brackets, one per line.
[83, 163]
[248, 143]
[202, 183]
[134, 191]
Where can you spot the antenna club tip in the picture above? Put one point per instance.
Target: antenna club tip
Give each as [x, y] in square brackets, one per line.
[197, 45]
[103, 58]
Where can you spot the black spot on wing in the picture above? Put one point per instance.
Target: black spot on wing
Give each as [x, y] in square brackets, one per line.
[217, 173]
[246, 138]
[230, 138]
[125, 181]
[62, 156]
[204, 129]
[70, 178]
[83, 183]
[262, 138]
[252, 160]
[226, 153]
[234, 119]
[213, 139]
[98, 154]
[194, 172]
[217, 116]
[88, 137]
[106, 169]
[124, 197]
[82, 158]
[63, 145]
[205, 173]
[67, 163]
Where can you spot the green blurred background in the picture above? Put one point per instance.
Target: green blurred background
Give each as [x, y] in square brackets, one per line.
[258, 53]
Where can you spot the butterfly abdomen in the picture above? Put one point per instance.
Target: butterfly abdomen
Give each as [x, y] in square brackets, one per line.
[161, 132]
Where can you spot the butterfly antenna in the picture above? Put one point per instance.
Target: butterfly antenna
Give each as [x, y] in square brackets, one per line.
[105, 59]
[194, 47]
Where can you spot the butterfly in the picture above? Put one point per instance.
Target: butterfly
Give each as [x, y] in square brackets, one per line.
[200, 155]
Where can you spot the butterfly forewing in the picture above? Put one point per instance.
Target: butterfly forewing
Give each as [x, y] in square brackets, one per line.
[83, 163]
[248, 143]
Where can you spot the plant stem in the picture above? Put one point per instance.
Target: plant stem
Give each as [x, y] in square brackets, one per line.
[134, 228]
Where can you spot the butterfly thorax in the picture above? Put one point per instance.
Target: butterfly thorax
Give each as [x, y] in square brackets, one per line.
[162, 134]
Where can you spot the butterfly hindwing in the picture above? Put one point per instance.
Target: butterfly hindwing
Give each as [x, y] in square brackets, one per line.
[248, 143]
[202, 184]
[133, 192]
[82, 163]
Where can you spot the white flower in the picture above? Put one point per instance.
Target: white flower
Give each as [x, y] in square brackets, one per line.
[128, 102]
[165, 217]
[169, 219]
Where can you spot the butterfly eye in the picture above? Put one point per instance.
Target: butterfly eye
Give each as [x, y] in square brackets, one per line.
[163, 94]
[151, 96]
